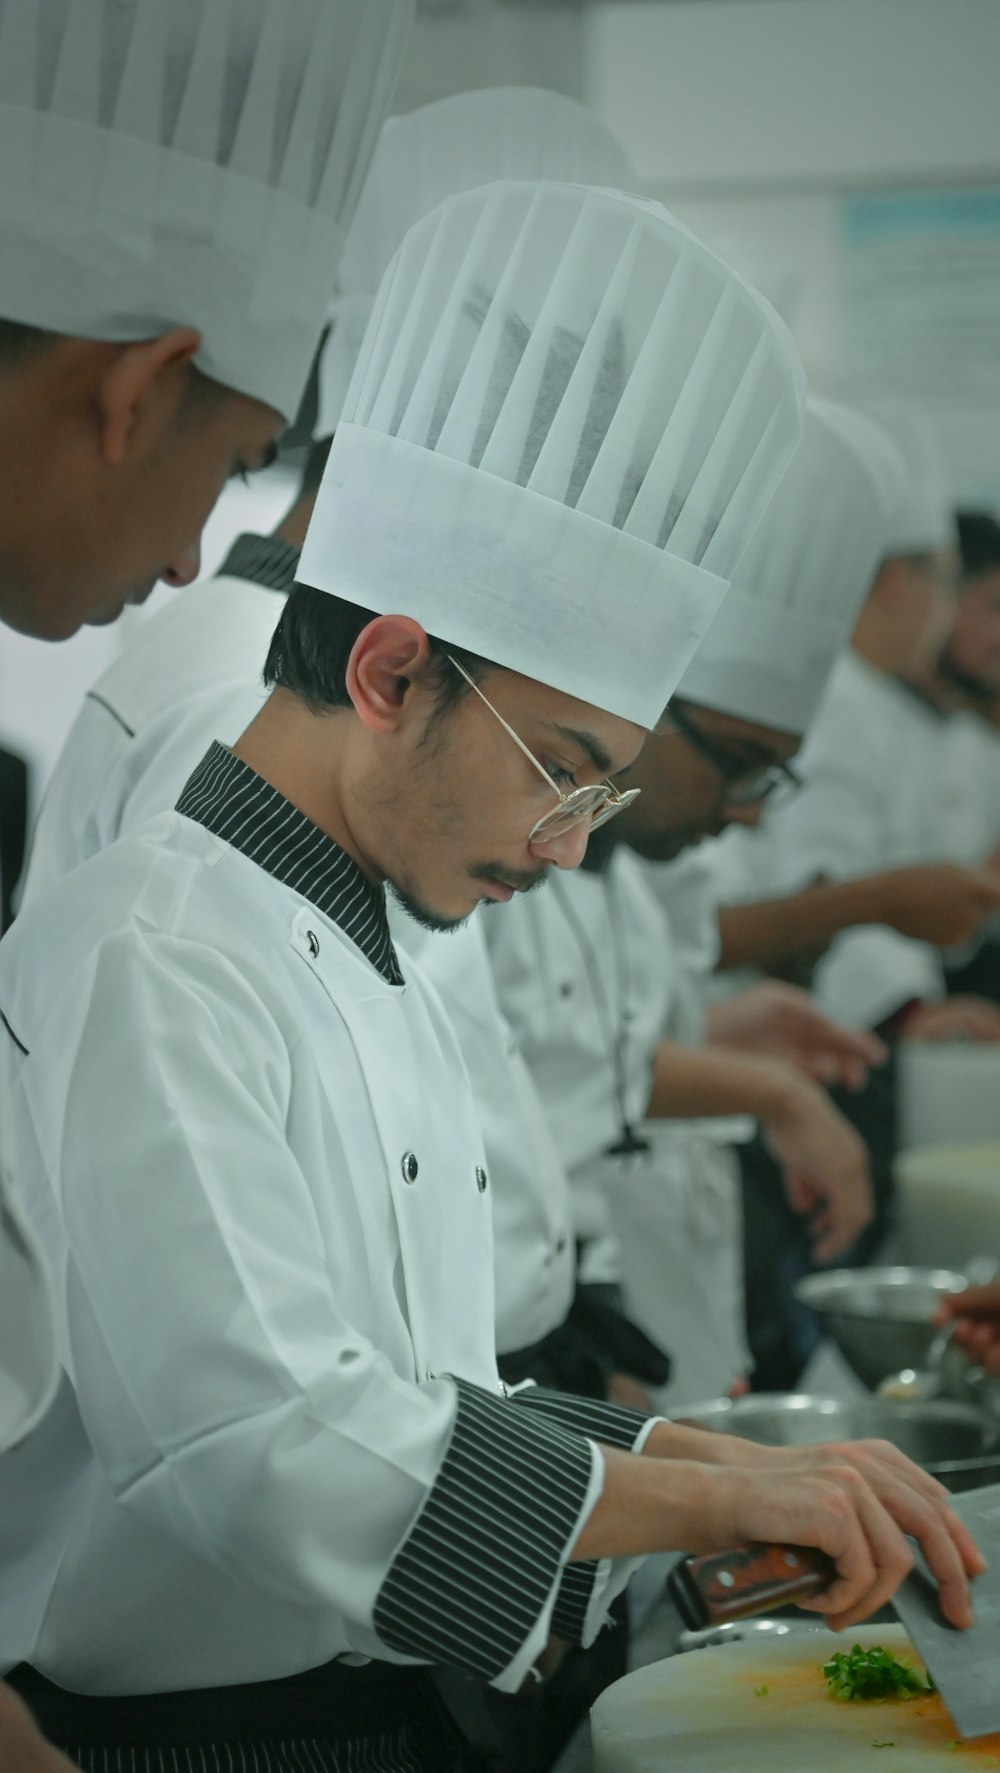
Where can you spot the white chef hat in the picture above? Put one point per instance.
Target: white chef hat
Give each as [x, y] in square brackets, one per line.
[923, 520]
[457, 144]
[195, 162]
[797, 591]
[29, 1367]
[565, 423]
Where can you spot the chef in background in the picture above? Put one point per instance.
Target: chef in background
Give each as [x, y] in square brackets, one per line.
[148, 348]
[596, 986]
[882, 788]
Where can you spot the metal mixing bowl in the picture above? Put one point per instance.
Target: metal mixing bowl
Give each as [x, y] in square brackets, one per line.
[882, 1319]
[958, 1444]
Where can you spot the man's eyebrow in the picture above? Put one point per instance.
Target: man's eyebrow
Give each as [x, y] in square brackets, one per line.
[586, 742]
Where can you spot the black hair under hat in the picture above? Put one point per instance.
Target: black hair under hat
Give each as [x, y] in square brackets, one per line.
[979, 541]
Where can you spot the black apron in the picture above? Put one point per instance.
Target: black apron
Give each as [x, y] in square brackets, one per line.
[334, 1719]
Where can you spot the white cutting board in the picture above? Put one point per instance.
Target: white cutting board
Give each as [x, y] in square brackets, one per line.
[699, 1713]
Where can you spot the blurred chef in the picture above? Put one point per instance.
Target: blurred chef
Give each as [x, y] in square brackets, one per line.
[593, 980]
[883, 790]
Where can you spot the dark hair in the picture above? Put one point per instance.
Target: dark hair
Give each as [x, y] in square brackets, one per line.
[312, 643]
[314, 467]
[979, 541]
[18, 342]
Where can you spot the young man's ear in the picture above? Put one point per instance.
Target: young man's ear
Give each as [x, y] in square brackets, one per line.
[385, 659]
[142, 390]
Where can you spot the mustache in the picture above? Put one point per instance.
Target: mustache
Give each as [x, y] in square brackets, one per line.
[520, 880]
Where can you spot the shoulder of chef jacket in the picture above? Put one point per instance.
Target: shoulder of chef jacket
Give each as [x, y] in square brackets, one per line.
[533, 1254]
[269, 1245]
[452, 145]
[165, 165]
[145, 723]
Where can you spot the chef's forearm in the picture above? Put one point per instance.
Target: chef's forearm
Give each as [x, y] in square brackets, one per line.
[648, 1505]
[695, 1083]
[678, 1440]
[773, 931]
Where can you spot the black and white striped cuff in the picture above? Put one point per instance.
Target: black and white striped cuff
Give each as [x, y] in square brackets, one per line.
[612, 1424]
[576, 1591]
[475, 1574]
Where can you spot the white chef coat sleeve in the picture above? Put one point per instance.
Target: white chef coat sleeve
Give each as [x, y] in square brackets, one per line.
[868, 974]
[228, 1399]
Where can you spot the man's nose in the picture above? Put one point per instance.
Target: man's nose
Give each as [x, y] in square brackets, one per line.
[568, 849]
[185, 568]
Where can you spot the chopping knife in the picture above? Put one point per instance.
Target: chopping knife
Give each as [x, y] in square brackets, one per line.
[965, 1665]
[730, 1585]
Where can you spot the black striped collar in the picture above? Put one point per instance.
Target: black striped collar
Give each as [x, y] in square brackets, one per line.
[264, 560]
[231, 800]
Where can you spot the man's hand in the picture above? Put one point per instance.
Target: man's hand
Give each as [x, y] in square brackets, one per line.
[861, 1518]
[893, 1496]
[939, 902]
[785, 1023]
[955, 1018]
[22, 1748]
[975, 1315]
[824, 1165]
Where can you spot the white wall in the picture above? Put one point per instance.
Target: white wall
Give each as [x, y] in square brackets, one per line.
[756, 119]
[525, 45]
[738, 94]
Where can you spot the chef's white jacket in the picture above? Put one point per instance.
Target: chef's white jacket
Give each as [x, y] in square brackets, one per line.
[885, 787]
[586, 964]
[534, 1265]
[144, 727]
[256, 1171]
[149, 718]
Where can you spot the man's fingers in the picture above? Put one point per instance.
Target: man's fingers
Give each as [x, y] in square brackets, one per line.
[974, 1302]
[916, 1501]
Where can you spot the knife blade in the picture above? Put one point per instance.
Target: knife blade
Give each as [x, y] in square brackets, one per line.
[963, 1664]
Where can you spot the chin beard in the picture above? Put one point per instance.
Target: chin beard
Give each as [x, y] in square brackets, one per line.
[974, 687]
[423, 915]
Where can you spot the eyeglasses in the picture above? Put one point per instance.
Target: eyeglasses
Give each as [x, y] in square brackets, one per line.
[598, 802]
[743, 787]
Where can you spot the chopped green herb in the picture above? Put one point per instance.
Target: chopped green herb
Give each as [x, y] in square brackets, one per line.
[876, 1744]
[873, 1674]
[761, 1692]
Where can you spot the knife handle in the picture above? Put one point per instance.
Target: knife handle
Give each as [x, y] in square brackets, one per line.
[749, 1579]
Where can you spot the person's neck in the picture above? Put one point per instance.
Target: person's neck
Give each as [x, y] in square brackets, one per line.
[879, 642]
[299, 753]
[293, 526]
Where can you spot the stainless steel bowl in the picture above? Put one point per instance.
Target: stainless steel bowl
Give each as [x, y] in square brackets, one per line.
[882, 1319]
[960, 1445]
